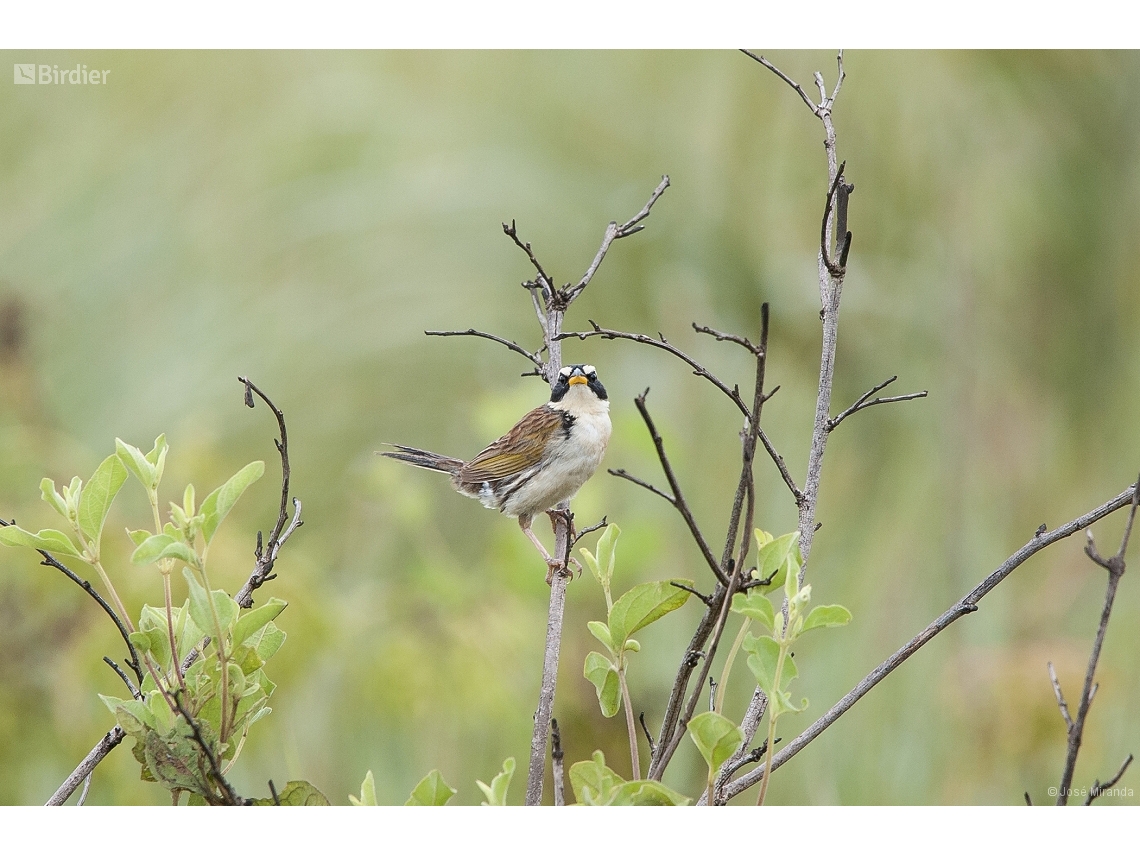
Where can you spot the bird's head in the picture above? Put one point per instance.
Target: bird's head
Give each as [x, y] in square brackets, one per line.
[576, 380]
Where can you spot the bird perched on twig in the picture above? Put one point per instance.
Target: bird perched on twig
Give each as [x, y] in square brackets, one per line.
[542, 461]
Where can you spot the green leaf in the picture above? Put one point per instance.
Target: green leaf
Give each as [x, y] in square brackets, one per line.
[367, 792]
[432, 791]
[772, 556]
[252, 621]
[593, 781]
[188, 500]
[159, 546]
[267, 641]
[606, 554]
[52, 497]
[716, 738]
[765, 652]
[601, 632]
[220, 502]
[647, 794]
[497, 793]
[135, 461]
[297, 794]
[48, 539]
[151, 548]
[755, 605]
[199, 605]
[642, 604]
[600, 671]
[98, 495]
[138, 536]
[824, 616]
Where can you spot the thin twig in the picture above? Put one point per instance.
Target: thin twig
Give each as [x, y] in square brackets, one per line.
[645, 730]
[678, 498]
[661, 343]
[273, 793]
[1115, 567]
[862, 403]
[615, 232]
[590, 529]
[50, 560]
[722, 336]
[544, 281]
[967, 605]
[1098, 788]
[511, 345]
[263, 569]
[760, 59]
[704, 598]
[228, 793]
[113, 737]
[135, 693]
[743, 504]
[621, 473]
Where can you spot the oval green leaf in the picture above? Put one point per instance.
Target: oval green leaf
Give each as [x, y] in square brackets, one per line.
[219, 503]
[642, 604]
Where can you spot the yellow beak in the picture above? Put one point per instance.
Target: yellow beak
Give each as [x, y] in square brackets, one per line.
[577, 379]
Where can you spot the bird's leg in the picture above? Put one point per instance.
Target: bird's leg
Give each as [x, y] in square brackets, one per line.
[552, 565]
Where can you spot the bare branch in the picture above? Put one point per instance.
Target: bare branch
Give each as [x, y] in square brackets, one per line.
[544, 281]
[263, 569]
[1115, 567]
[94, 758]
[50, 560]
[964, 606]
[704, 598]
[778, 459]
[1098, 788]
[511, 345]
[615, 232]
[862, 403]
[661, 343]
[621, 473]
[721, 336]
[760, 59]
[679, 500]
[135, 693]
[589, 530]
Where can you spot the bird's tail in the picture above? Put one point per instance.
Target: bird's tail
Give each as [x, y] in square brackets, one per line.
[424, 459]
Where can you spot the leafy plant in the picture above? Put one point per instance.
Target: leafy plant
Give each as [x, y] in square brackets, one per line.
[202, 682]
[634, 610]
[769, 659]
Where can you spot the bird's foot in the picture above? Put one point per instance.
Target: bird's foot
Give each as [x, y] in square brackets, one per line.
[555, 566]
[566, 516]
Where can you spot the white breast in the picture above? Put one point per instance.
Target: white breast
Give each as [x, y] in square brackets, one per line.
[569, 460]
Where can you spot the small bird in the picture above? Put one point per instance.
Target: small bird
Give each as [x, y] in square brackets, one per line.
[542, 461]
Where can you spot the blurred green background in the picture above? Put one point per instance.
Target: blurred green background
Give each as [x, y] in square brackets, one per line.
[303, 217]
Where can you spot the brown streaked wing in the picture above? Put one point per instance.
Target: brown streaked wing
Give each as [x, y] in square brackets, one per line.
[520, 449]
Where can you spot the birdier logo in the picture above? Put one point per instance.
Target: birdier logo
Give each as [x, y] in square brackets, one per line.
[81, 75]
